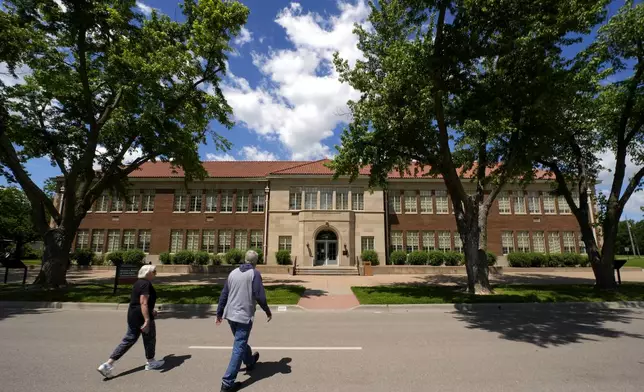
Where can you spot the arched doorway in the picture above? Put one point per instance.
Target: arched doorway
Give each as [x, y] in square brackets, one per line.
[326, 248]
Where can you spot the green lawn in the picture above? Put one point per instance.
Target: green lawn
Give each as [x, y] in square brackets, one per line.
[633, 261]
[32, 262]
[167, 294]
[422, 294]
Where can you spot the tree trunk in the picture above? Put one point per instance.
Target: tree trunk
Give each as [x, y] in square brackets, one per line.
[603, 265]
[475, 256]
[55, 259]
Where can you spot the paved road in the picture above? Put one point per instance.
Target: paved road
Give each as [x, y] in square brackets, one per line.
[495, 350]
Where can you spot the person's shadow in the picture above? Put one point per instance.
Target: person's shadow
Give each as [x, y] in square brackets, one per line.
[171, 362]
[264, 370]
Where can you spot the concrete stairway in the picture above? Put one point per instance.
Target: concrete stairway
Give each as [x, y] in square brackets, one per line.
[329, 271]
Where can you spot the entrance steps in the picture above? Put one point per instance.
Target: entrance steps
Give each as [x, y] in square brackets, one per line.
[329, 271]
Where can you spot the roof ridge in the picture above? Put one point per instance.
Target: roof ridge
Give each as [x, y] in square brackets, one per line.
[297, 166]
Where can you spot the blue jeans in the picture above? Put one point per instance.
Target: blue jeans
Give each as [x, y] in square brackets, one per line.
[241, 351]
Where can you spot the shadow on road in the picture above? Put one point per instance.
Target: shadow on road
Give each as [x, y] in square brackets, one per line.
[264, 370]
[6, 313]
[171, 362]
[550, 326]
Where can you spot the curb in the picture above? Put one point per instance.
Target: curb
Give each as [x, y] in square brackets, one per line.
[164, 308]
[498, 306]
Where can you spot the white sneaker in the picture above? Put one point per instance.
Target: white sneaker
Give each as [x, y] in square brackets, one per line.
[153, 365]
[106, 370]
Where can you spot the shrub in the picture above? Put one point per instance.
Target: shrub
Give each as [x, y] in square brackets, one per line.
[585, 261]
[99, 259]
[29, 253]
[453, 258]
[83, 256]
[202, 258]
[571, 259]
[222, 257]
[115, 257]
[491, 258]
[525, 260]
[165, 258]
[216, 259]
[398, 257]
[184, 257]
[283, 257]
[234, 256]
[435, 258]
[556, 260]
[418, 257]
[134, 257]
[370, 256]
[260, 254]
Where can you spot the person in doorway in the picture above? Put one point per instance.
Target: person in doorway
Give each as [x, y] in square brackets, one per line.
[140, 321]
[242, 291]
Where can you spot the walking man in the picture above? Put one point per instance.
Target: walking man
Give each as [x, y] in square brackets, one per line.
[242, 291]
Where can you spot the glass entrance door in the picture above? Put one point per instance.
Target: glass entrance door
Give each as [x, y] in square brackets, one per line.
[326, 248]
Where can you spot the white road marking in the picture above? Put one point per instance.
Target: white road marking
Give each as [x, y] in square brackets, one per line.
[281, 309]
[281, 348]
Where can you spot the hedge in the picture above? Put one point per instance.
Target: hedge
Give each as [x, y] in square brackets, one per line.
[398, 257]
[260, 254]
[184, 257]
[83, 256]
[234, 256]
[283, 257]
[216, 259]
[525, 260]
[370, 256]
[202, 258]
[134, 257]
[116, 257]
[453, 258]
[165, 258]
[418, 257]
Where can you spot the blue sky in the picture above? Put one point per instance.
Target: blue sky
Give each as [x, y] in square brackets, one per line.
[287, 100]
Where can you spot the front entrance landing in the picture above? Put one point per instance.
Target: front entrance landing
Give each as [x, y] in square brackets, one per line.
[331, 293]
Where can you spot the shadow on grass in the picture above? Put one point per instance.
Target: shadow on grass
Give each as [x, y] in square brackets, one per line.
[528, 279]
[264, 370]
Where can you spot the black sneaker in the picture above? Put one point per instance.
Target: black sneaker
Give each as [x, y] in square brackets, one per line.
[233, 388]
[250, 368]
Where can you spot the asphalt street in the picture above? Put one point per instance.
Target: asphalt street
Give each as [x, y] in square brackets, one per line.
[446, 349]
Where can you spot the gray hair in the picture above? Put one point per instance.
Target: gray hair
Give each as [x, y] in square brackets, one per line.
[252, 257]
[145, 270]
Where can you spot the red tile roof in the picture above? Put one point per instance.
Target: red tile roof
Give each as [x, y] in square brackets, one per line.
[258, 169]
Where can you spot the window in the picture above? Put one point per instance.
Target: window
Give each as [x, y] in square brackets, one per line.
[284, 243]
[549, 204]
[367, 243]
[258, 200]
[257, 239]
[180, 199]
[148, 201]
[582, 245]
[569, 242]
[357, 199]
[133, 201]
[396, 240]
[129, 239]
[564, 207]
[310, 198]
[82, 239]
[241, 239]
[295, 199]
[504, 203]
[534, 205]
[342, 199]
[102, 202]
[575, 198]
[117, 204]
[444, 241]
[113, 240]
[554, 244]
[326, 199]
[394, 201]
[225, 239]
[176, 241]
[144, 240]
[98, 238]
[208, 241]
[538, 242]
[412, 241]
[458, 242]
[411, 205]
[226, 201]
[211, 200]
[519, 203]
[442, 203]
[192, 240]
[426, 205]
[429, 240]
[523, 241]
[507, 242]
[242, 201]
[195, 200]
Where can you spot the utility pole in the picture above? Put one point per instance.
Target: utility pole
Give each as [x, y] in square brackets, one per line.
[630, 234]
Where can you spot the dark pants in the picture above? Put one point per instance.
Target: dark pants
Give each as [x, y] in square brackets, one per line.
[132, 335]
[241, 351]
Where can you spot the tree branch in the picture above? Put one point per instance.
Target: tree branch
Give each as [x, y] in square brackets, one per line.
[53, 146]
[110, 107]
[632, 187]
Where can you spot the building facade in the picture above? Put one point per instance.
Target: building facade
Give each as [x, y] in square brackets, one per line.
[297, 206]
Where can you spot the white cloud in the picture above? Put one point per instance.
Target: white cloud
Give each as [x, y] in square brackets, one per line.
[253, 153]
[244, 37]
[61, 5]
[300, 99]
[130, 156]
[8, 80]
[145, 9]
[220, 157]
[607, 161]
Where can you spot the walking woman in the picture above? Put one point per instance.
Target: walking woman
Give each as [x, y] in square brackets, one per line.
[140, 320]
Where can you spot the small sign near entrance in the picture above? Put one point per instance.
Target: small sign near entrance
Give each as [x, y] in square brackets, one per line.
[126, 273]
[617, 265]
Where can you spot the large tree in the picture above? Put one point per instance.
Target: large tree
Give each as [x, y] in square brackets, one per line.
[460, 87]
[108, 82]
[15, 220]
[604, 112]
